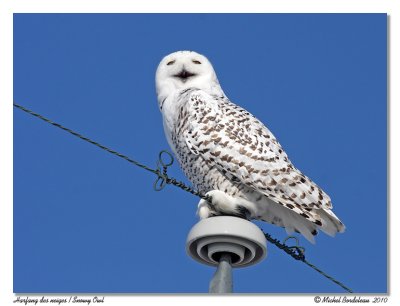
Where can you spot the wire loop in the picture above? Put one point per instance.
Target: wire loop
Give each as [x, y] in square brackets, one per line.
[160, 158]
[162, 178]
[159, 183]
[296, 248]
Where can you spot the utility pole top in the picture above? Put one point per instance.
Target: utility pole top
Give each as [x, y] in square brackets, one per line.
[226, 242]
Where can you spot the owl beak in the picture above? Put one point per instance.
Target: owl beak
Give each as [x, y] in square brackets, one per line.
[184, 75]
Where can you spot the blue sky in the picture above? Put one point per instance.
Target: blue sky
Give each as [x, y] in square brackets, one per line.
[87, 221]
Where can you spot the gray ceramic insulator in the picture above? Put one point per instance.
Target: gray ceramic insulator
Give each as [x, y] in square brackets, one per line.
[212, 237]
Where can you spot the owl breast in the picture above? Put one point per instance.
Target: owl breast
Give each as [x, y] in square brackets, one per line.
[202, 173]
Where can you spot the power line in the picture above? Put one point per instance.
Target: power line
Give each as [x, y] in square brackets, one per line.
[296, 252]
[162, 177]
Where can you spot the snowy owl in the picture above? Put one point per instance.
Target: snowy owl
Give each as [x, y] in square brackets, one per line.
[228, 154]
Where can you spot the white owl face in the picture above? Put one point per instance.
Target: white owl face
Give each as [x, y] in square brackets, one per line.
[184, 69]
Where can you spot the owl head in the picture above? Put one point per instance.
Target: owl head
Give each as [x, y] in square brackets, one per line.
[185, 69]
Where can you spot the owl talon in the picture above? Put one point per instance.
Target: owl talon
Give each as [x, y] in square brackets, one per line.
[243, 212]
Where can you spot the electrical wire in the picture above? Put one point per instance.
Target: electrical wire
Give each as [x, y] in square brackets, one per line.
[297, 252]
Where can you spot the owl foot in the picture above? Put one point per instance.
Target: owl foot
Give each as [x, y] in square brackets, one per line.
[224, 204]
[204, 210]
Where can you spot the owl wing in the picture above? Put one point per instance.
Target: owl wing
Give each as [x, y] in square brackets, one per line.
[240, 146]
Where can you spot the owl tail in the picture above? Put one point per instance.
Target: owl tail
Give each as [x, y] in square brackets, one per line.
[330, 222]
[292, 221]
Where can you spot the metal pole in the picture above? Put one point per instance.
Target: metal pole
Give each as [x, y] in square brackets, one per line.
[222, 279]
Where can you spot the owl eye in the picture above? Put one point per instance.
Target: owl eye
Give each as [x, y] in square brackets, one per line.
[170, 63]
[196, 62]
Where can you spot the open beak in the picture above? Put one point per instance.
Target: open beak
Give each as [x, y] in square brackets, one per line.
[184, 75]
